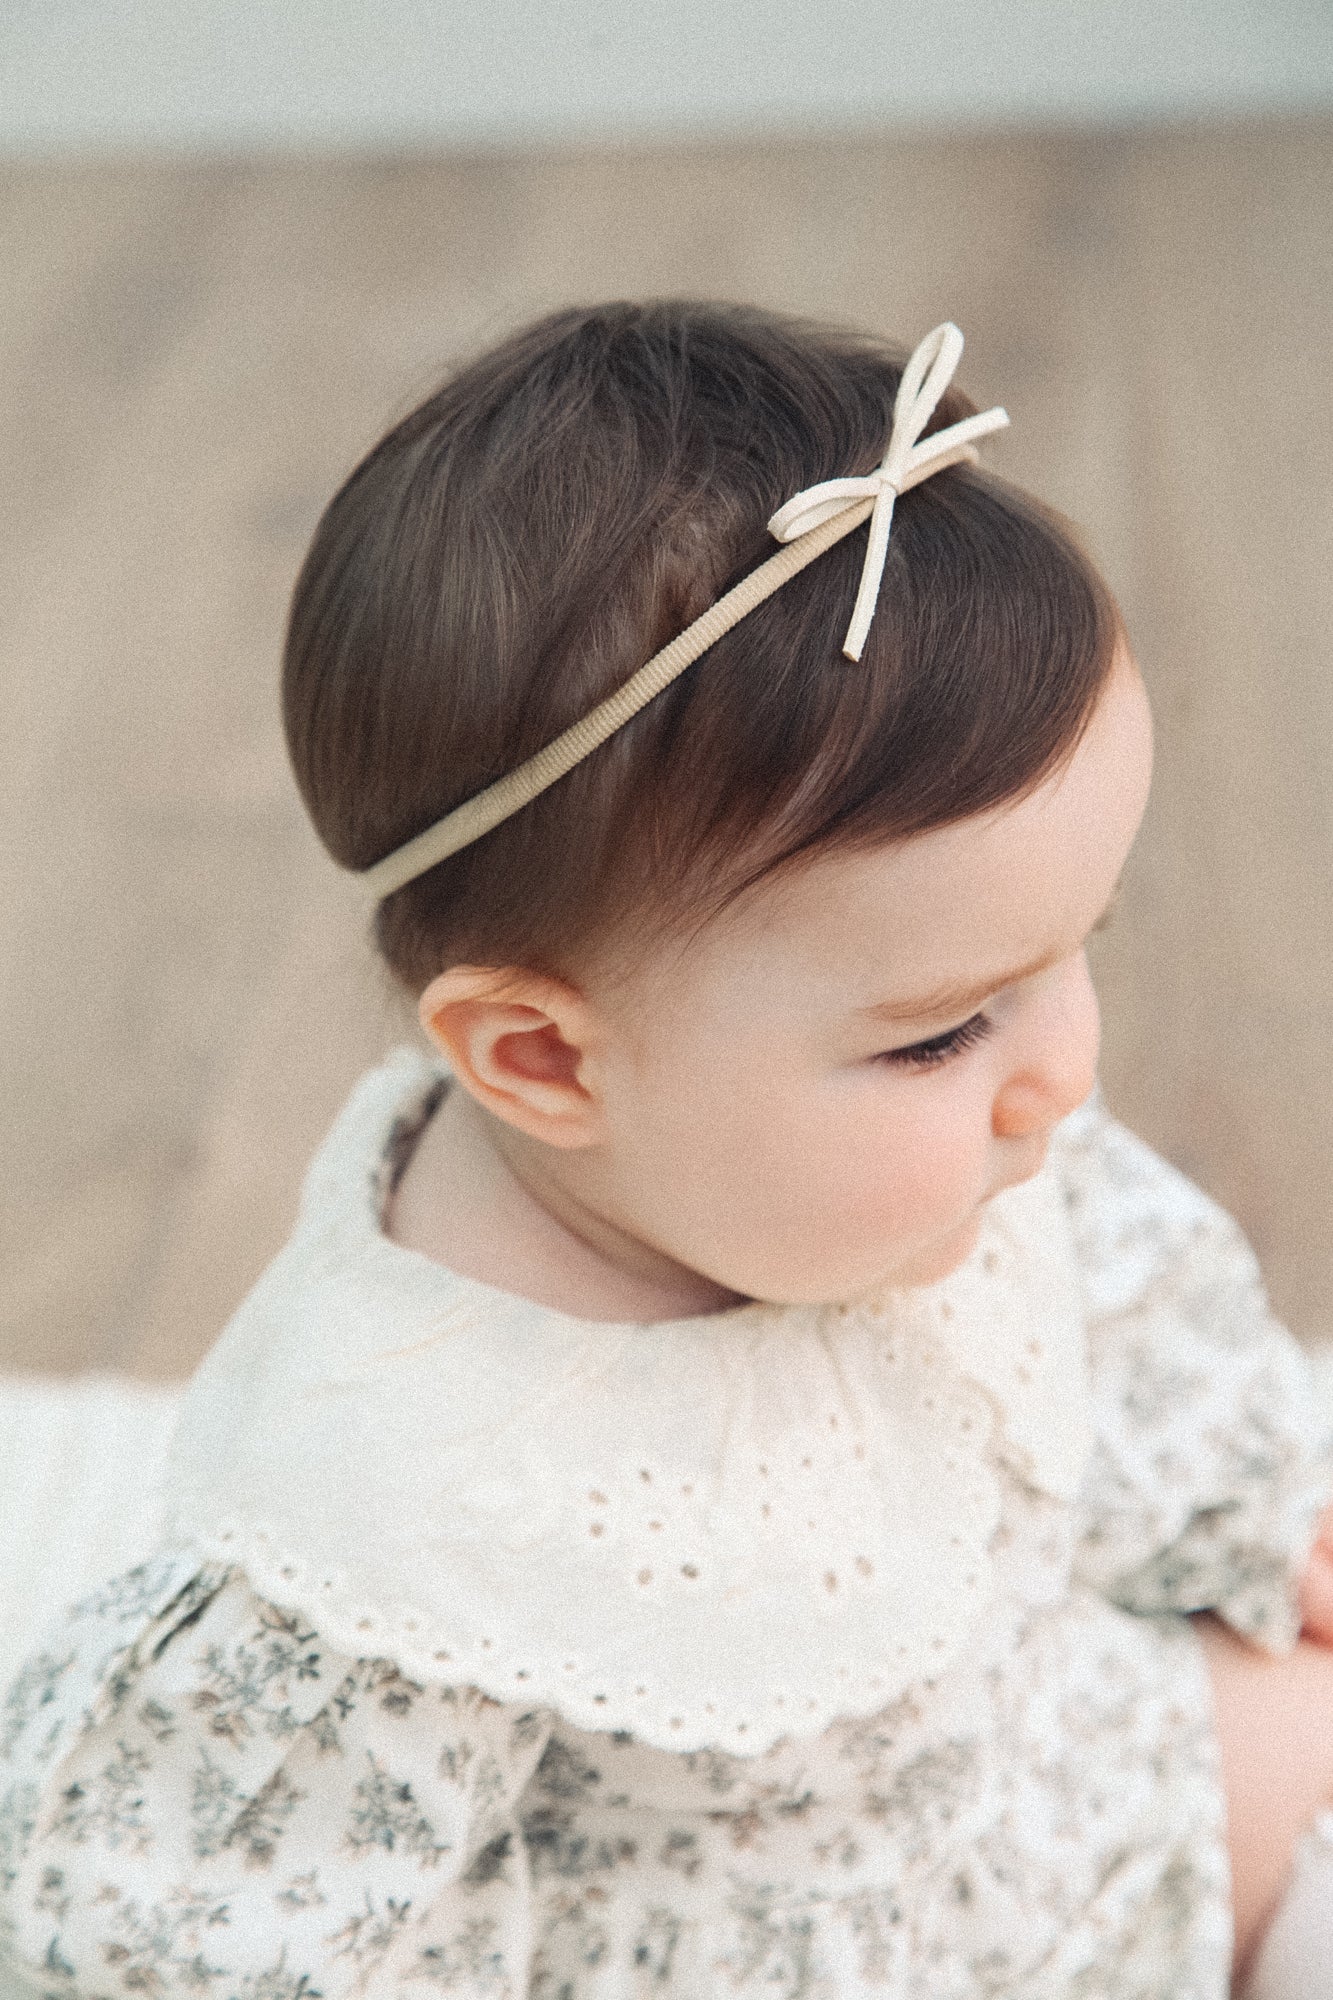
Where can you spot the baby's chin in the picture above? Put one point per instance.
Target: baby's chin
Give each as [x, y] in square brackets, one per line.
[937, 1260]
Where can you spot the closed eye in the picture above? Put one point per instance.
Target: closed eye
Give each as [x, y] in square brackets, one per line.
[939, 1048]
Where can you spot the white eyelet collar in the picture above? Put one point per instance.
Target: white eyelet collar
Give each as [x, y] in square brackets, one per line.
[715, 1531]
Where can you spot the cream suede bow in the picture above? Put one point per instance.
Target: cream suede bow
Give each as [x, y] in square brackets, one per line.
[905, 463]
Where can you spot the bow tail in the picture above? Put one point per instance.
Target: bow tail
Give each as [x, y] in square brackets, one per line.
[877, 548]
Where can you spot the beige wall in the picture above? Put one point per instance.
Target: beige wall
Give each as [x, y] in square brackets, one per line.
[190, 358]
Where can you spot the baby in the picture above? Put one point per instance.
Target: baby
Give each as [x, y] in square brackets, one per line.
[745, 1479]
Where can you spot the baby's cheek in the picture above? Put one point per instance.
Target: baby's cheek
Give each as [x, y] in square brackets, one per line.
[913, 1200]
[934, 1178]
[857, 1170]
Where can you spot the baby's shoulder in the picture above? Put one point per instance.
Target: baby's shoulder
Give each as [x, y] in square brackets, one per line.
[187, 1652]
[176, 1726]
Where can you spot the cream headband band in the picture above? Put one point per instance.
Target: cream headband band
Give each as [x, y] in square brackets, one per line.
[808, 524]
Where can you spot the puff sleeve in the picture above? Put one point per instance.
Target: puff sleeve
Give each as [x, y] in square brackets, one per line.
[1212, 1457]
[196, 1795]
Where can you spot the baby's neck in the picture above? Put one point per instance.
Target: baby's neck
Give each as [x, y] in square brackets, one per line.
[464, 1200]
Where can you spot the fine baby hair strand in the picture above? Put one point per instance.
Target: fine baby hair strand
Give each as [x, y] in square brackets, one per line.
[517, 546]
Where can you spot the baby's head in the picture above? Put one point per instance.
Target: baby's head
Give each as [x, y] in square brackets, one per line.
[781, 982]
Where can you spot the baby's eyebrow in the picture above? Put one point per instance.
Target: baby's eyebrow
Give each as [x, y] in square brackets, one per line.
[959, 999]
[951, 999]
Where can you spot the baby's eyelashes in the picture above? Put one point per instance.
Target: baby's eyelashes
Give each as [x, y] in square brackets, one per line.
[938, 1049]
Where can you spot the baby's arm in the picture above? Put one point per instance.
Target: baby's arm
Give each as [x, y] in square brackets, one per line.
[1213, 1458]
[1274, 1723]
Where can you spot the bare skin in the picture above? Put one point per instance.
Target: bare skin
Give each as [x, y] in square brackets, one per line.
[737, 1123]
[1275, 1728]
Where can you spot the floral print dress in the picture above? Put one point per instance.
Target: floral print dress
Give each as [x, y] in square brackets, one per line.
[786, 1652]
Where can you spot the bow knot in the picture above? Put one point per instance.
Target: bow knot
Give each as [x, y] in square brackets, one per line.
[904, 465]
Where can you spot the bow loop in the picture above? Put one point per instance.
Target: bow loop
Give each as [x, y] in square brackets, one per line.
[907, 461]
[819, 504]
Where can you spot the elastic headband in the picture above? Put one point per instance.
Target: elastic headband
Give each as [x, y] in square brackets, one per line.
[808, 524]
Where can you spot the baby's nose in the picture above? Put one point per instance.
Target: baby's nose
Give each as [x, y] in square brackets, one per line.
[1023, 1110]
[1058, 1067]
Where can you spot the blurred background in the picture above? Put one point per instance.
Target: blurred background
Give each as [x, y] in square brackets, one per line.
[236, 241]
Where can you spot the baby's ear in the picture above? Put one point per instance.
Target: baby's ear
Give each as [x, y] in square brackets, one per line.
[520, 1043]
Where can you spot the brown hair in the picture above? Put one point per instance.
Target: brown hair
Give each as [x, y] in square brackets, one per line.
[529, 535]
